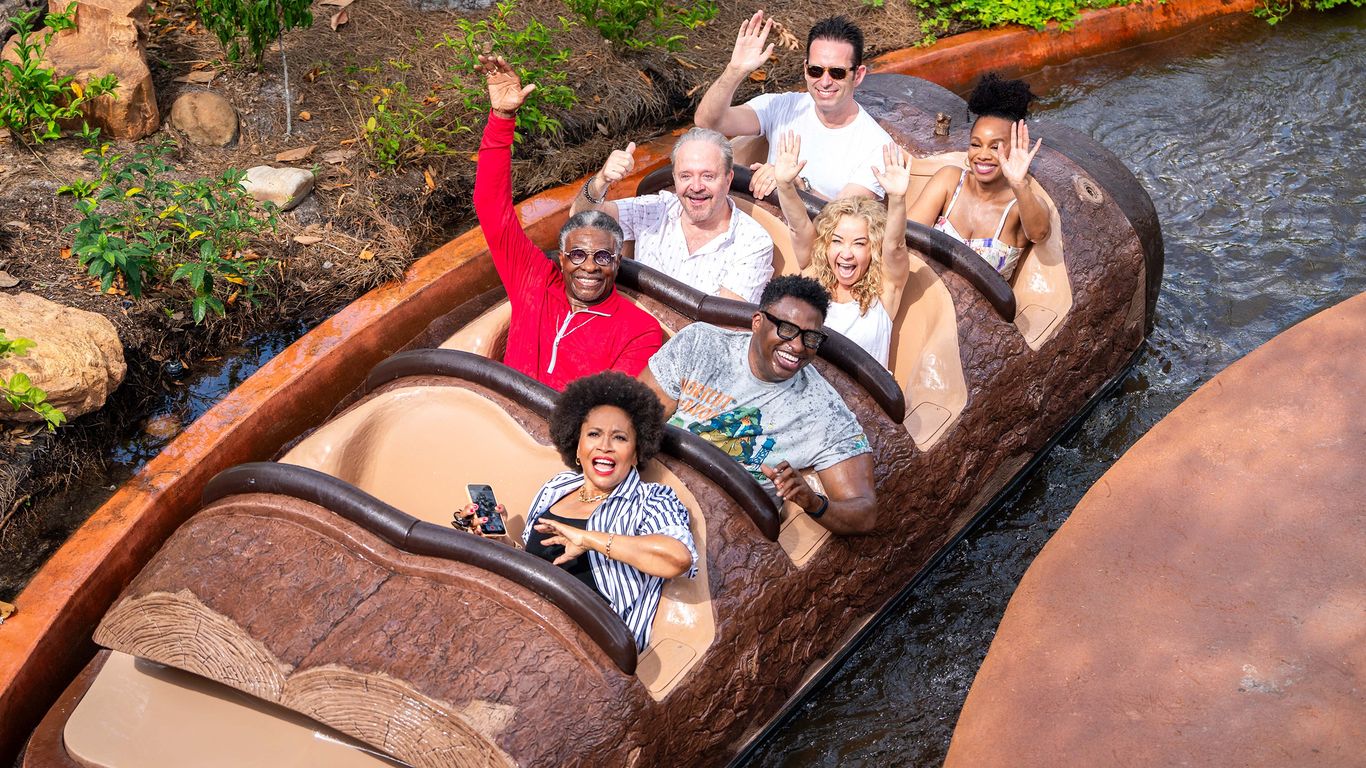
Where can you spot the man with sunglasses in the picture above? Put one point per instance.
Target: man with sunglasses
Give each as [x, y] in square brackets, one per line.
[754, 395]
[568, 320]
[845, 142]
[694, 234]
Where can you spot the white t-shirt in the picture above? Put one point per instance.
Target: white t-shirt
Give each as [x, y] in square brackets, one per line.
[835, 156]
[739, 260]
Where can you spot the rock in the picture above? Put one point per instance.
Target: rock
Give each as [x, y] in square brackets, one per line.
[206, 118]
[76, 358]
[286, 187]
[107, 40]
[10, 8]
[7, 280]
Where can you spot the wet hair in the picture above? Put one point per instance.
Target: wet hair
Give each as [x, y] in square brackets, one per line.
[711, 137]
[869, 288]
[798, 287]
[995, 96]
[841, 30]
[607, 388]
[593, 220]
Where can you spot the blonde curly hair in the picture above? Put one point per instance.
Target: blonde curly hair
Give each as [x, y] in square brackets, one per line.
[869, 288]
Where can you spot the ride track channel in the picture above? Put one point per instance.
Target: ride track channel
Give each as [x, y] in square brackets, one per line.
[38, 654]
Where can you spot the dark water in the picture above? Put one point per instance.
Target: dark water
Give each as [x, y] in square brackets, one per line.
[1250, 141]
[52, 520]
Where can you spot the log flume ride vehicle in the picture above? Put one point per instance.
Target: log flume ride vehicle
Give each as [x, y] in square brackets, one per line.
[319, 609]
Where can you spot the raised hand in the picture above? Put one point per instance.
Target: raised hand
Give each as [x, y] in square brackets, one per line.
[619, 164]
[750, 52]
[1015, 166]
[567, 536]
[895, 176]
[506, 93]
[788, 165]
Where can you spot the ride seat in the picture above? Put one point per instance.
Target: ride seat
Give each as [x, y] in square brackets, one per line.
[417, 448]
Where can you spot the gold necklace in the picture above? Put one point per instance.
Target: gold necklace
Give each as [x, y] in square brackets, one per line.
[586, 499]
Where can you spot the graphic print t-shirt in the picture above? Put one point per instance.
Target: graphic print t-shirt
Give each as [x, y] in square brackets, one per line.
[802, 420]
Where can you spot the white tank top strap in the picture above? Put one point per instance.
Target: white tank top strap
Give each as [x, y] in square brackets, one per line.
[961, 178]
[1001, 226]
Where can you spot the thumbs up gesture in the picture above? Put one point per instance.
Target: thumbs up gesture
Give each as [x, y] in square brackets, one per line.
[619, 165]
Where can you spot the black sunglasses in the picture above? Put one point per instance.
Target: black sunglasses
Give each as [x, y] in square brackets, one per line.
[602, 258]
[836, 73]
[789, 331]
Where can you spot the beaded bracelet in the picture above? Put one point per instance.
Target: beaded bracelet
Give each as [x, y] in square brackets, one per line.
[589, 195]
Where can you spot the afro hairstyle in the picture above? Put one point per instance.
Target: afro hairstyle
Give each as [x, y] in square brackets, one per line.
[607, 388]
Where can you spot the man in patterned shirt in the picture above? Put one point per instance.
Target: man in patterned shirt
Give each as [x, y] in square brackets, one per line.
[694, 234]
[754, 395]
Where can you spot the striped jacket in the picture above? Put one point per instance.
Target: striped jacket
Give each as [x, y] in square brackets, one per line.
[634, 508]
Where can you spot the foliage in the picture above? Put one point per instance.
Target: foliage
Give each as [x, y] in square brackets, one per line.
[255, 23]
[402, 127]
[1275, 11]
[527, 45]
[34, 100]
[19, 391]
[139, 226]
[618, 20]
[937, 17]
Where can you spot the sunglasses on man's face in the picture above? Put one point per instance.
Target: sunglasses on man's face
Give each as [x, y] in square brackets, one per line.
[789, 331]
[836, 73]
[602, 258]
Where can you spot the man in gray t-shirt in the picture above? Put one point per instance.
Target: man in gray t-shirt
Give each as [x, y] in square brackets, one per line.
[755, 397]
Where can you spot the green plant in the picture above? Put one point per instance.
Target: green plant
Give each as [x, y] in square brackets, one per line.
[936, 18]
[34, 99]
[1275, 11]
[257, 23]
[402, 127]
[139, 226]
[527, 45]
[19, 391]
[619, 20]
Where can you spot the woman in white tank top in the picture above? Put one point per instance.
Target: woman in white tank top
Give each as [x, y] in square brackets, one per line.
[990, 205]
[855, 247]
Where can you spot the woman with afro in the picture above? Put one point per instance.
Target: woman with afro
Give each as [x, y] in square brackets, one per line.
[990, 205]
[599, 521]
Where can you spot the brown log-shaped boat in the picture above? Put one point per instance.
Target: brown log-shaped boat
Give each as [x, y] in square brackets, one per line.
[328, 584]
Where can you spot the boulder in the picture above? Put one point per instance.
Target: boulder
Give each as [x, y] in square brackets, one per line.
[10, 8]
[286, 187]
[206, 118]
[76, 358]
[108, 39]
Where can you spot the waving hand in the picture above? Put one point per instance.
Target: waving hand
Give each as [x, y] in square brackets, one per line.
[506, 93]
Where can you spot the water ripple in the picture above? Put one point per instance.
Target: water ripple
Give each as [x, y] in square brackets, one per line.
[1248, 142]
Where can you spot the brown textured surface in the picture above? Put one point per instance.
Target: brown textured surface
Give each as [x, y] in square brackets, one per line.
[1205, 604]
[43, 645]
[769, 631]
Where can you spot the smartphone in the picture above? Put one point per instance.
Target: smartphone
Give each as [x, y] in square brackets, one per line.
[483, 496]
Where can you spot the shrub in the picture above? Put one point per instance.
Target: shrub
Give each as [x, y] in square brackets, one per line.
[34, 100]
[527, 45]
[250, 26]
[19, 391]
[402, 127]
[937, 18]
[619, 20]
[139, 226]
[1275, 11]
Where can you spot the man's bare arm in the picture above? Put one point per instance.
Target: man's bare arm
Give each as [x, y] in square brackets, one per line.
[752, 50]
[852, 509]
[647, 377]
